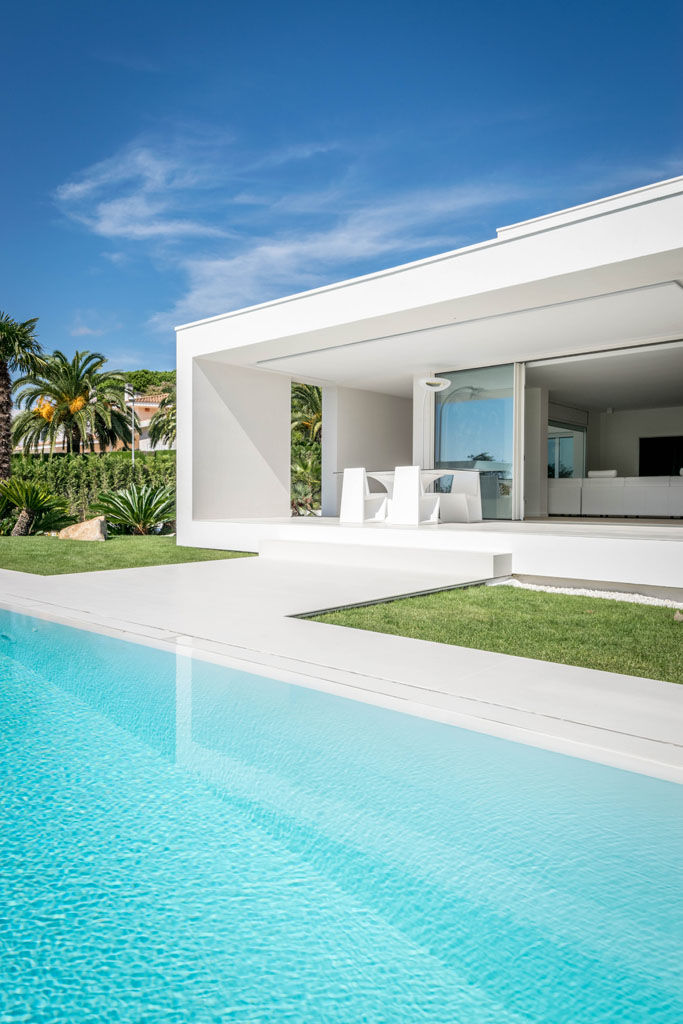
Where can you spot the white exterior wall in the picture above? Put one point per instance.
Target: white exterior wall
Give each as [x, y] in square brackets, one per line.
[240, 449]
[361, 428]
[619, 434]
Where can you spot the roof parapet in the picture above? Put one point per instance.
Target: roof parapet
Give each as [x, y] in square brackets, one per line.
[596, 208]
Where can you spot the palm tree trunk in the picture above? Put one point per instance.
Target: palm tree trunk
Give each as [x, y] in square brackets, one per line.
[5, 422]
[75, 441]
[23, 523]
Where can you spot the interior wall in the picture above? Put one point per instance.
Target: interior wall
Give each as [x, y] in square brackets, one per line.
[361, 428]
[619, 434]
[241, 442]
[535, 451]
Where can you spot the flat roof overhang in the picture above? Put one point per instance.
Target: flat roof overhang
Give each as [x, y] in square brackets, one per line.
[598, 280]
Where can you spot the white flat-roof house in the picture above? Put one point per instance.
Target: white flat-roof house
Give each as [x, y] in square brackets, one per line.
[561, 341]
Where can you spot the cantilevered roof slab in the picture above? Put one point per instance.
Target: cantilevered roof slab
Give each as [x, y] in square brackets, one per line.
[604, 274]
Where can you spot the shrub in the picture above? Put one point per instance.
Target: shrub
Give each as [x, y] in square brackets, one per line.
[139, 509]
[147, 381]
[81, 479]
[30, 508]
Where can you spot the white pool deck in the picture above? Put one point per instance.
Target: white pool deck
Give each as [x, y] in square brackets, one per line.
[239, 612]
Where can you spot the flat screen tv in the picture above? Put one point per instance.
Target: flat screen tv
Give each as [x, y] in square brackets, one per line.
[660, 456]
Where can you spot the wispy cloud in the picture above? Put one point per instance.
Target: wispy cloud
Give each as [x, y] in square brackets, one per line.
[300, 151]
[117, 258]
[82, 330]
[91, 324]
[239, 228]
[419, 221]
[137, 194]
[226, 219]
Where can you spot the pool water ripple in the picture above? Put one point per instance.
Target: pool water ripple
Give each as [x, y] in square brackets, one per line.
[182, 842]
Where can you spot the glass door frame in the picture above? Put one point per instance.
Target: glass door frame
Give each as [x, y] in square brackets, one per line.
[518, 442]
[428, 438]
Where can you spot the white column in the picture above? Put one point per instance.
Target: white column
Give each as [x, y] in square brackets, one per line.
[536, 452]
[424, 404]
[519, 377]
[331, 480]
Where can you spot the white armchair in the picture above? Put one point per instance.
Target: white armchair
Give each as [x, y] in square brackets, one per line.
[462, 504]
[409, 505]
[358, 505]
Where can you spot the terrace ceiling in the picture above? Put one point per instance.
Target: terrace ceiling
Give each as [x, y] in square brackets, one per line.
[388, 363]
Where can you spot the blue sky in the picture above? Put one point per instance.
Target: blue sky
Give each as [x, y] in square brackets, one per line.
[168, 161]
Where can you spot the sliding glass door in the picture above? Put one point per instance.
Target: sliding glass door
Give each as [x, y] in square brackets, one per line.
[566, 450]
[474, 428]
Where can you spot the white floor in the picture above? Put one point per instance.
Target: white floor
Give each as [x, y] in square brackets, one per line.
[239, 612]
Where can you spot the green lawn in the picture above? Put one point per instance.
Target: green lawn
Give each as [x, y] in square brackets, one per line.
[638, 640]
[48, 556]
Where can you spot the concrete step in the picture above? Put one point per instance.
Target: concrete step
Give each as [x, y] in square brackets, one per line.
[442, 564]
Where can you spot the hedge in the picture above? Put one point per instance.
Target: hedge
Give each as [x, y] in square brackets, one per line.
[80, 479]
[146, 381]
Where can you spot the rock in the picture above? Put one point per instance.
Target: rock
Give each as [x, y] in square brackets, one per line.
[91, 529]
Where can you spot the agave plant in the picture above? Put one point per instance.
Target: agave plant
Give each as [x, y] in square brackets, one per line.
[38, 510]
[137, 508]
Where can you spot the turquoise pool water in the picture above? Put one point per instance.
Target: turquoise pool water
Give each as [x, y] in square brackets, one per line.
[184, 843]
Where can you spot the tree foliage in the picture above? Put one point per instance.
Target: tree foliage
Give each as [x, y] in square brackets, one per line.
[73, 401]
[306, 449]
[146, 382]
[162, 426]
[20, 352]
[30, 507]
[307, 411]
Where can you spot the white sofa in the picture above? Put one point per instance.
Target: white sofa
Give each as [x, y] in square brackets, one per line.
[646, 495]
[675, 495]
[564, 497]
[603, 496]
[654, 496]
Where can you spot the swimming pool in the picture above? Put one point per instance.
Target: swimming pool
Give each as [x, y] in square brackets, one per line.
[182, 842]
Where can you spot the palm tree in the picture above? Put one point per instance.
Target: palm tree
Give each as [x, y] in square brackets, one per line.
[74, 400]
[162, 426]
[19, 351]
[306, 473]
[307, 410]
[33, 503]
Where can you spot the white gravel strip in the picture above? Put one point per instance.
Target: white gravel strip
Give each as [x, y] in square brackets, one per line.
[611, 595]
